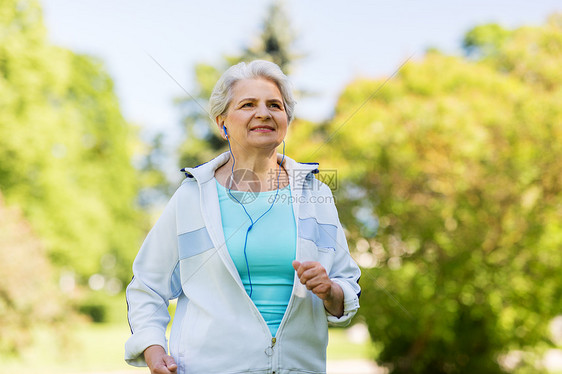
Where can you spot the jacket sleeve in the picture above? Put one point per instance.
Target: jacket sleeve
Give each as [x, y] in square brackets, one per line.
[155, 281]
[346, 274]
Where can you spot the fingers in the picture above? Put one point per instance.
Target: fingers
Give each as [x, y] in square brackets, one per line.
[158, 361]
[296, 265]
[310, 271]
[313, 275]
[310, 267]
[166, 366]
[170, 364]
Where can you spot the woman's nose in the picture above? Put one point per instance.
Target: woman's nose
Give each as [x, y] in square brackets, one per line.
[262, 111]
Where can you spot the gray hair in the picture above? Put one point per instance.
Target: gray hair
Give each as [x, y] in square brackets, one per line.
[222, 93]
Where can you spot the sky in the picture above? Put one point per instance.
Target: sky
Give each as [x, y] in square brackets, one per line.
[150, 47]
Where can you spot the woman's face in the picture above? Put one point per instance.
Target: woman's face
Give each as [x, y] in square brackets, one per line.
[256, 116]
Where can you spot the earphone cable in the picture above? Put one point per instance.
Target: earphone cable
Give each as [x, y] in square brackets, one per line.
[252, 222]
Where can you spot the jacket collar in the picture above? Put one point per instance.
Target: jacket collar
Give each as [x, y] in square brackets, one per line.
[298, 171]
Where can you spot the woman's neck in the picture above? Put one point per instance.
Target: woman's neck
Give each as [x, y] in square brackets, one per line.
[252, 172]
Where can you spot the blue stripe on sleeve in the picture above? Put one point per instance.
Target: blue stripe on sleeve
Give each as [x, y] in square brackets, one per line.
[193, 243]
[322, 234]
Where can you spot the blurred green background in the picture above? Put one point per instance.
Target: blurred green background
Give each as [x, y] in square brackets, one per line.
[449, 178]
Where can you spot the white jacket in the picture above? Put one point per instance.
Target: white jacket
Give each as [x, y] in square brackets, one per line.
[217, 328]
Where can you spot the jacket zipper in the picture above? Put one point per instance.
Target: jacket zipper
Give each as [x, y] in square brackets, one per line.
[269, 352]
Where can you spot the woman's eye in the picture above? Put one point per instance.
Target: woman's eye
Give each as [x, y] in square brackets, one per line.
[275, 105]
[247, 105]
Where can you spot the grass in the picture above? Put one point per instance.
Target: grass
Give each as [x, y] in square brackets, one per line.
[88, 348]
[341, 347]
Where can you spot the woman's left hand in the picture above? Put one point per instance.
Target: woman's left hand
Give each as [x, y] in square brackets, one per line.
[313, 275]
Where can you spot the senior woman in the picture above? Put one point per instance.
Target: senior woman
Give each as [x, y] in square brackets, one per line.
[258, 280]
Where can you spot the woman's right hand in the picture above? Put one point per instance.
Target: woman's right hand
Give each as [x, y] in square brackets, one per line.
[158, 361]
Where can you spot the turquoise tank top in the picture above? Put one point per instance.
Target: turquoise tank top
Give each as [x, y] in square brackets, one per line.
[270, 249]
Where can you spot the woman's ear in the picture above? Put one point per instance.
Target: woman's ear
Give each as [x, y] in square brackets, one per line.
[220, 123]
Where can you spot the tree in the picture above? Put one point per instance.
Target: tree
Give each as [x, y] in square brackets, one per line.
[532, 54]
[65, 150]
[274, 44]
[457, 163]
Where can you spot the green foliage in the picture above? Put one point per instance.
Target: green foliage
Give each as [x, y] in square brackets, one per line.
[95, 306]
[65, 149]
[459, 161]
[274, 43]
[533, 54]
[203, 140]
[155, 187]
[485, 40]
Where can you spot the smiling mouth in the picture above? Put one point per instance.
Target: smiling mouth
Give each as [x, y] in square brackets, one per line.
[262, 129]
